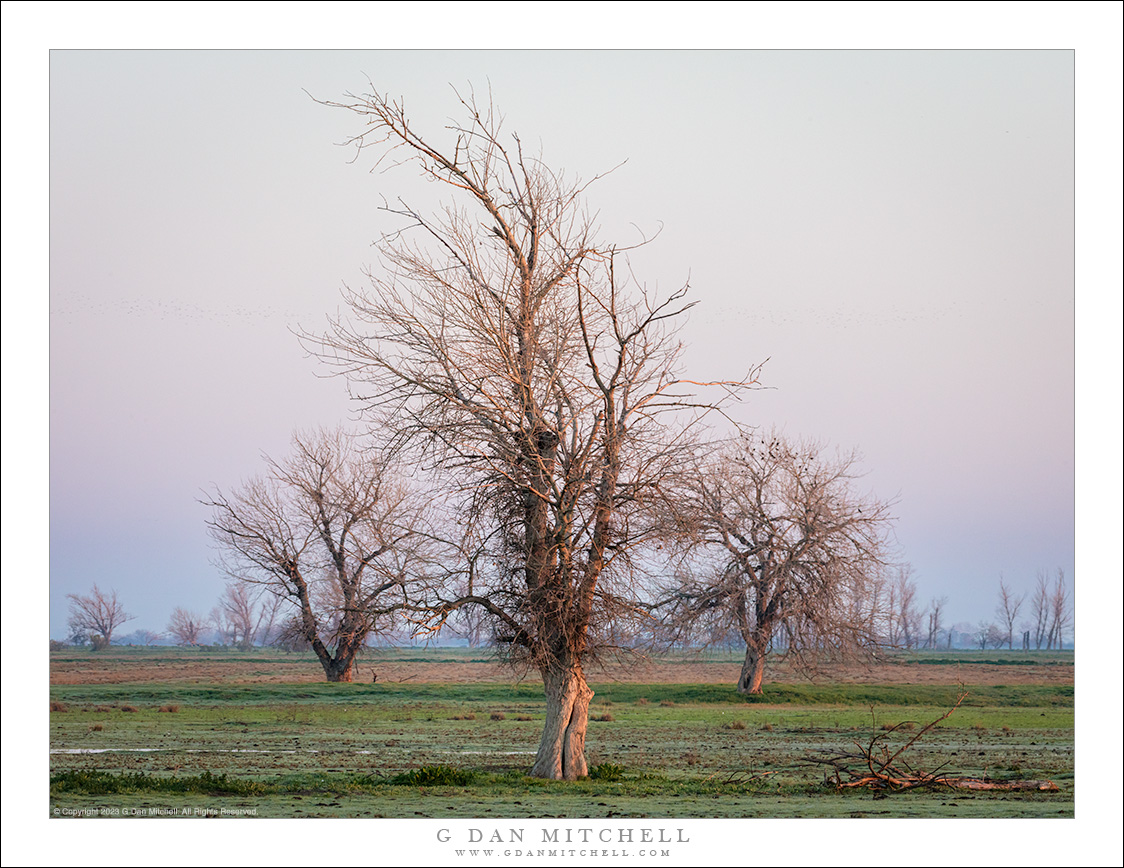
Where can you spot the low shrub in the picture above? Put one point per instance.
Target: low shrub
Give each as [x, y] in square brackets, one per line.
[59, 706]
[434, 776]
[498, 715]
[97, 783]
[169, 709]
[606, 772]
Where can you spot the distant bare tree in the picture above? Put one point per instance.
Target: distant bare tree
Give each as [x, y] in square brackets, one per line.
[333, 534]
[247, 614]
[933, 617]
[1040, 610]
[989, 634]
[905, 611]
[97, 615]
[510, 349]
[1061, 612]
[186, 627]
[902, 619]
[778, 539]
[1007, 610]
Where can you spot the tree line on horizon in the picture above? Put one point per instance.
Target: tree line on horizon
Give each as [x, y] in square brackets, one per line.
[246, 618]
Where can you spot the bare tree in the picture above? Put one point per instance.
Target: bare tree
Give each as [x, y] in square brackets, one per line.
[1007, 610]
[933, 617]
[511, 350]
[1040, 610]
[1061, 612]
[988, 633]
[186, 627]
[904, 615]
[96, 616]
[781, 541]
[246, 615]
[333, 534]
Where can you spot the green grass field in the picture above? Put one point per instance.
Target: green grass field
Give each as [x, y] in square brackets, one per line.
[656, 750]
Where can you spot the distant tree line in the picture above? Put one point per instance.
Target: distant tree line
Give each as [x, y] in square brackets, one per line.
[248, 617]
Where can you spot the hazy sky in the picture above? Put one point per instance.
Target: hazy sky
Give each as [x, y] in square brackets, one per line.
[893, 230]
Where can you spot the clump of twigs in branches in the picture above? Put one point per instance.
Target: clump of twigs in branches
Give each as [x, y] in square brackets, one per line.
[882, 766]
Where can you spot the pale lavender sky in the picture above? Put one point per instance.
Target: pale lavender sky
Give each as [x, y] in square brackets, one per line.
[893, 230]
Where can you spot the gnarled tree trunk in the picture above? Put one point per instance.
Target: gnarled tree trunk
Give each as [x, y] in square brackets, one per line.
[753, 669]
[336, 668]
[339, 670]
[561, 753]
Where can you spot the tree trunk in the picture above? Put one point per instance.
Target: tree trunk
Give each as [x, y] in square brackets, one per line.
[561, 753]
[337, 669]
[753, 670]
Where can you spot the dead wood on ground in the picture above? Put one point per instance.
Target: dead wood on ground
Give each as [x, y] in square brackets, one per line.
[883, 767]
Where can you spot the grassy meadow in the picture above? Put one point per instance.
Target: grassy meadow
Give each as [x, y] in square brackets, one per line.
[226, 735]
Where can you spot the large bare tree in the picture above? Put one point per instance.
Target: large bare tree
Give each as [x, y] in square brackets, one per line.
[331, 531]
[511, 350]
[779, 541]
[97, 615]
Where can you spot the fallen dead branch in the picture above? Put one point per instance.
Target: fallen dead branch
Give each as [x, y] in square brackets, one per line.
[880, 766]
